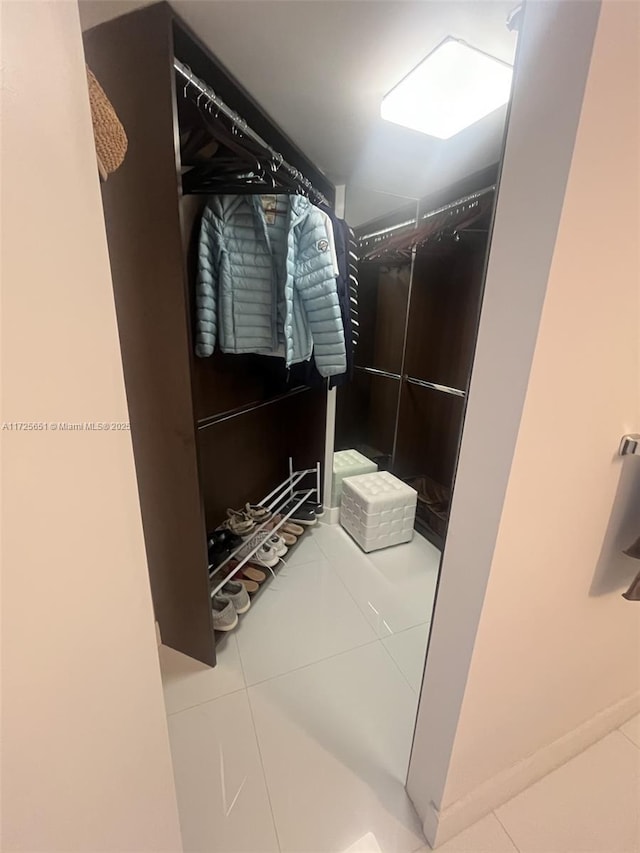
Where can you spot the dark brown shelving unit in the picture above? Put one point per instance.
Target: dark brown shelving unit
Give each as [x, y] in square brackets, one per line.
[207, 433]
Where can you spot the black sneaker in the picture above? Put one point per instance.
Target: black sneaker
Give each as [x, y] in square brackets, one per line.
[220, 544]
[303, 515]
[223, 538]
[317, 508]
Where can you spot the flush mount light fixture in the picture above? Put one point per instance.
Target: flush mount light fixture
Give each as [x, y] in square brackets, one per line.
[455, 86]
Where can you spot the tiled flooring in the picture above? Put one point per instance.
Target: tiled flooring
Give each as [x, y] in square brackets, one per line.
[298, 741]
[589, 805]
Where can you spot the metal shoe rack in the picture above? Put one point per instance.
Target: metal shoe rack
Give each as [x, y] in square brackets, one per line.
[287, 491]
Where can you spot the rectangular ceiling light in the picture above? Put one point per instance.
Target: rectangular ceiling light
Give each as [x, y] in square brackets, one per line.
[455, 86]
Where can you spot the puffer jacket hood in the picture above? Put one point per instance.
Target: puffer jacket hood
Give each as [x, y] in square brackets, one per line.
[268, 288]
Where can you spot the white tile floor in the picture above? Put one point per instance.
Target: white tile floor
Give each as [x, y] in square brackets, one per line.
[589, 805]
[298, 741]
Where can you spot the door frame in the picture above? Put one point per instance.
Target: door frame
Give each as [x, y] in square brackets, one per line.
[541, 130]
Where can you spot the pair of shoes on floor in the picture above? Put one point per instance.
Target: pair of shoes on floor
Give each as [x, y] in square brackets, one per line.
[232, 600]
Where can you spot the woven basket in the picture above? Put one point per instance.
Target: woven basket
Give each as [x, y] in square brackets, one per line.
[108, 132]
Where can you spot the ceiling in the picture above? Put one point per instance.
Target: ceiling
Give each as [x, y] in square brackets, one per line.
[319, 68]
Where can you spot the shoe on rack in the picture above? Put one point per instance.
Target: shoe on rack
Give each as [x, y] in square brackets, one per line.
[252, 573]
[216, 560]
[274, 540]
[317, 508]
[238, 596]
[220, 544]
[239, 522]
[257, 513]
[264, 556]
[222, 537]
[289, 539]
[225, 617]
[288, 527]
[248, 571]
[303, 515]
[251, 586]
[278, 544]
[268, 538]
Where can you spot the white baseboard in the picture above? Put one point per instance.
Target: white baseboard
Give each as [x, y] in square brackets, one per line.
[440, 826]
[331, 515]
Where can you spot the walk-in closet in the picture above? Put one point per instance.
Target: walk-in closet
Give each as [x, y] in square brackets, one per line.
[208, 433]
[298, 273]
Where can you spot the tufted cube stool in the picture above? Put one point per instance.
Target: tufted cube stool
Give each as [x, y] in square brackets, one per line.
[378, 510]
[347, 463]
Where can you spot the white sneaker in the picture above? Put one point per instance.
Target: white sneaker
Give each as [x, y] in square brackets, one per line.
[278, 544]
[266, 555]
[225, 617]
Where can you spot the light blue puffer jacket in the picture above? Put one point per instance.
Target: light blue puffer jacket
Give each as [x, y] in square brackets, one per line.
[268, 289]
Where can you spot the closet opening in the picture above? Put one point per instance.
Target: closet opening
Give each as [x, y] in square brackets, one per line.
[298, 284]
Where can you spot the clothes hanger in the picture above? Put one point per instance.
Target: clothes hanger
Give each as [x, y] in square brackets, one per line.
[227, 173]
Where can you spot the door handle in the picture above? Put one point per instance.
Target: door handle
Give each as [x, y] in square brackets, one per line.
[630, 445]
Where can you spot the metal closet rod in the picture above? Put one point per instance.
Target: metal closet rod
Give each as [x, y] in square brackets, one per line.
[384, 231]
[464, 200]
[204, 423]
[453, 204]
[422, 383]
[434, 386]
[221, 107]
[374, 371]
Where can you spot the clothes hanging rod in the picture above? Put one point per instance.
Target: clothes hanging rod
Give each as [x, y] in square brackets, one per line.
[459, 203]
[203, 423]
[384, 231]
[422, 383]
[450, 206]
[221, 107]
[434, 386]
[375, 372]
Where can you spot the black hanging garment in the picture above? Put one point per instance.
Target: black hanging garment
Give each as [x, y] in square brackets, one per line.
[352, 292]
[347, 287]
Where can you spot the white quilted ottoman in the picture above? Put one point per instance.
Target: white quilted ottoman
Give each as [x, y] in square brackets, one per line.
[347, 463]
[378, 510]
